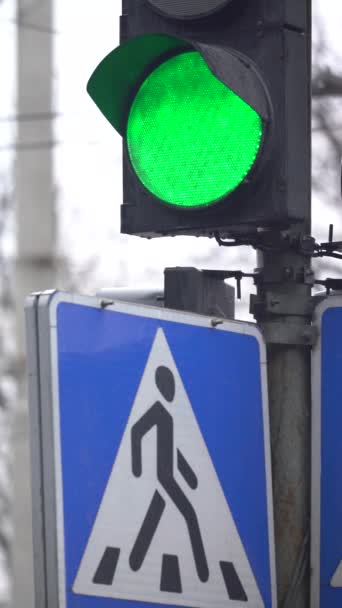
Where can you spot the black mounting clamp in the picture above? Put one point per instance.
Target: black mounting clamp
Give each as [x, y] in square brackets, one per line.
[238, 275]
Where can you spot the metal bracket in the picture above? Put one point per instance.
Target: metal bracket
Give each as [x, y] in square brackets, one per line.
[238, 275]
[291, 334]
[274, 274]
[275, 304]
[330, 285]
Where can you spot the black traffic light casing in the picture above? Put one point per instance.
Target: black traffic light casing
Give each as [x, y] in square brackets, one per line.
[274, 35]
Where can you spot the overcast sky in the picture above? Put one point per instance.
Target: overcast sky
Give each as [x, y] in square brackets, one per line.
[87, 161]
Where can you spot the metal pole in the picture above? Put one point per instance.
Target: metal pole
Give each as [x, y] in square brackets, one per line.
[36, 235]
[283, 309]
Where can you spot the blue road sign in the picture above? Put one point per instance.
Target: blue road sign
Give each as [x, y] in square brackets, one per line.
[327, 457]
[157, 490]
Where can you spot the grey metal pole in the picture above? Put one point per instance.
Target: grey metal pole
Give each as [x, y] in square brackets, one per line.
[36, 235]
[289, 392]
[283, 310]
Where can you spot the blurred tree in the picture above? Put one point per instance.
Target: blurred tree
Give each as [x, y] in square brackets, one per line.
[327, 140]
[8, 377]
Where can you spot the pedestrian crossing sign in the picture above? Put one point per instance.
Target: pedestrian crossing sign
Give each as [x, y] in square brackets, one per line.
[161, 463]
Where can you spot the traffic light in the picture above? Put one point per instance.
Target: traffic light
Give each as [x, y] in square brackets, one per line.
[212, 99]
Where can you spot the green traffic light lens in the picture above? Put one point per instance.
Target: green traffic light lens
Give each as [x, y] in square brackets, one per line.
[191, 140]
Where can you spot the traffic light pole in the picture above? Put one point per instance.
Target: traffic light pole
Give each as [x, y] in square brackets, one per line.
[283, 309]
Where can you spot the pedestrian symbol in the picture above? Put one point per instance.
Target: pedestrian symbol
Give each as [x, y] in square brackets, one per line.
[164, 532]
[158, 416]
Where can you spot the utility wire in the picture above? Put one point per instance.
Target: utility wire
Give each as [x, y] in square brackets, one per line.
[39, 145]
[31, 26]
[46, 145]
[39, 116]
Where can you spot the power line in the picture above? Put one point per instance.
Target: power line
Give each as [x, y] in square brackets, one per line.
[38, 116]
[42, 116]
[39, 145]
[31, 26]
[45, 145]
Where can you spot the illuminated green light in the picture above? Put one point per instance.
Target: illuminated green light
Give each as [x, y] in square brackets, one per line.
[191, 140]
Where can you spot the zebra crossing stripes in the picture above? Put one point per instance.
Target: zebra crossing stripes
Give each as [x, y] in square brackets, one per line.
[170, 580]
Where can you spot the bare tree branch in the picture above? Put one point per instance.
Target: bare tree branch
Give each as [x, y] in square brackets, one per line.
[327, 84]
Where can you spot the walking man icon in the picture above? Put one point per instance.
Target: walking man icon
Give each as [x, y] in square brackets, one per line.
[158, 416]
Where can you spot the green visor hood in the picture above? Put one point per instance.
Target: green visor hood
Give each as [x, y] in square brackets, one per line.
[117, 78]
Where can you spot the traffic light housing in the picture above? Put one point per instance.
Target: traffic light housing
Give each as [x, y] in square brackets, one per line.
[212, 99]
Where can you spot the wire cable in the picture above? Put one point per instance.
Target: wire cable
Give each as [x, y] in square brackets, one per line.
[45, 145]
[31, 26]
[39, 116]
